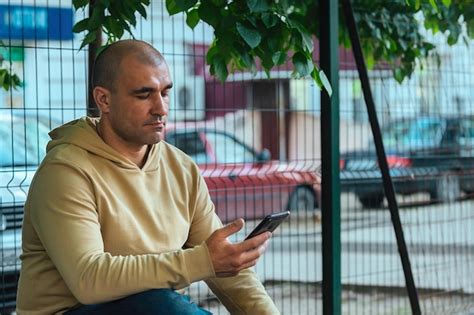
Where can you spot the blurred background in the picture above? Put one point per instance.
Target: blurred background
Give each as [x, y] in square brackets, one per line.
[257, 141]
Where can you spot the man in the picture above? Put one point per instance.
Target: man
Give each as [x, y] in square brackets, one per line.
[117, 220]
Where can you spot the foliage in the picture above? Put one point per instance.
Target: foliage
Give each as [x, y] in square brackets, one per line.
[113, 17]
[390, 30]
[7, 79]
[273, 32]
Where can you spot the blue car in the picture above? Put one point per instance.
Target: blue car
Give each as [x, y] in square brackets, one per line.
[429, 154]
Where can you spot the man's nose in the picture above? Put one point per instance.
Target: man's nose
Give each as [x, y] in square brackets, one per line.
[160, 106]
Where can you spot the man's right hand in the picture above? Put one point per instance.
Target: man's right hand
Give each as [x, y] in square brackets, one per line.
[229, 259]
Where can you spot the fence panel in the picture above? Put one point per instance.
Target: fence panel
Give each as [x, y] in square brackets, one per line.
[426, 124]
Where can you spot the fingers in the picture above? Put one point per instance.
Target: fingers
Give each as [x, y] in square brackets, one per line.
[231, 228]
[247, 260]
[254, 242]
[254, 253]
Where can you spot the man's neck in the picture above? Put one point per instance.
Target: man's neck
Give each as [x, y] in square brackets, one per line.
[136, 154]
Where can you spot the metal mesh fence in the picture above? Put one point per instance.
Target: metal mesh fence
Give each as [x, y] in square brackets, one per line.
[427, 130]
[256, 141]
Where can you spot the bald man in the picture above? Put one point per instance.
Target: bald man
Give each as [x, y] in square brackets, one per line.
[117, 221]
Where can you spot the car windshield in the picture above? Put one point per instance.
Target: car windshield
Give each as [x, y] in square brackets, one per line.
[222, 148]
[23, 142]
[228, 150]
[414, 133]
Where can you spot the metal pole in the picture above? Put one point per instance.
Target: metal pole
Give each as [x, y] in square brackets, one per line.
[330, 194]
[387, 180]
[92, 109]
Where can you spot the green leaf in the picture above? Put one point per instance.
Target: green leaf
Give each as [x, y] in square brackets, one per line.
[250, 36]
[176, 6]
[269, 20]
[129, 11]
[316, 78]
[192, 18]
[219, 68]
[3, 74]
[414, 3]
[172, 7]
[16, 82]
[447, 3]
[212, 52]
[306, 36]
[209, 13]
[325, 82]
[89, 38]
[433, 4]
[114, 26]
[257, 6]
[398, 75]
[80, 26]
[303, 66]
[279, 57]
[249, 63]
[79, 3]
[142, 10]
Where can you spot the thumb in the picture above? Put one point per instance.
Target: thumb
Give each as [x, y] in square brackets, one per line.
[232, 228]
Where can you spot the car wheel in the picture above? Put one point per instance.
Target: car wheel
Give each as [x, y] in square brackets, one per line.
[447, 189]
[302, 199]
[371, 201]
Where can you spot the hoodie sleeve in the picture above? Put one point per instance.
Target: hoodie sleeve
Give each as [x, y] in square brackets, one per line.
[241, 294]
[63, 214]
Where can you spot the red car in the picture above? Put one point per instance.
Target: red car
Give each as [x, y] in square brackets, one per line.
[245, 183]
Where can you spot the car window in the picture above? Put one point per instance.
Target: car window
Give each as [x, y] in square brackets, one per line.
[229, 150]
[415, 133]
[22, 143]
[466, 136]
[190, 143]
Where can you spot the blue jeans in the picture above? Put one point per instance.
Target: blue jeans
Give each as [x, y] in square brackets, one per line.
[156, 302]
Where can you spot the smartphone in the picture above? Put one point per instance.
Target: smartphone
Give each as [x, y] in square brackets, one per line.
[269, 223]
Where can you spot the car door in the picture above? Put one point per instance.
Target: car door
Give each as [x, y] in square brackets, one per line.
[466, 154]
[242, 185]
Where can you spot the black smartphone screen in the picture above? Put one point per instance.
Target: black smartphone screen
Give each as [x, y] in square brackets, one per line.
[269, 223]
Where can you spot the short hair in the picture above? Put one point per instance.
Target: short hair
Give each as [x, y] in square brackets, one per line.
[107, 64]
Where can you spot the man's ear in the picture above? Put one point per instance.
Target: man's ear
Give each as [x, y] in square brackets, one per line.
[102, 98]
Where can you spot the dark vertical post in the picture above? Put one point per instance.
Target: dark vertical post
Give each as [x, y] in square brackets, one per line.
[381, 156]
[92, 109]
[330, 203]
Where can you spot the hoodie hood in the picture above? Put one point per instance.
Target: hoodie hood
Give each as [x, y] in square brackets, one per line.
[82, 133]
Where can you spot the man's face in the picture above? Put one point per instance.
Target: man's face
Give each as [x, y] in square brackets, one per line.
[140, 102]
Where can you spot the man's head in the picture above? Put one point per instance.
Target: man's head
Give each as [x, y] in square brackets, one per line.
[131, 86]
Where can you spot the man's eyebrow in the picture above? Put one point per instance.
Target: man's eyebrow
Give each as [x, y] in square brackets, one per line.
[143, 89]
[147, 89]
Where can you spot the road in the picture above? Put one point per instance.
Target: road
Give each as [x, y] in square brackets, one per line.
[440, 240]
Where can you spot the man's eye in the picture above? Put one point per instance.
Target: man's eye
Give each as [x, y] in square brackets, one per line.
[143, 96]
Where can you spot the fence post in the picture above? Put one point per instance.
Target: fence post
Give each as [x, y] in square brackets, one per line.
[330, 198]
[92, 109]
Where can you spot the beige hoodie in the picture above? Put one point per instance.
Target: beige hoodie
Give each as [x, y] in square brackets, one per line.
[98, 228]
